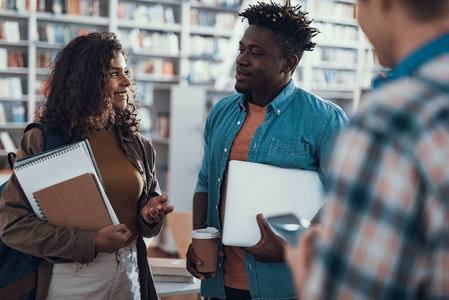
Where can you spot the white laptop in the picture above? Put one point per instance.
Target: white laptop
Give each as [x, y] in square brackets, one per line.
[258, 188]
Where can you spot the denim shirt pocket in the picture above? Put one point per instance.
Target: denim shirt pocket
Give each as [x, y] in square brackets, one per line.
[288, 154]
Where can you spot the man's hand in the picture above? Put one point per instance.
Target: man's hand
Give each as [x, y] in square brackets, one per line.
[156, 209]
[270, 247]
[192, 261]
[299, 259]
[111, 238]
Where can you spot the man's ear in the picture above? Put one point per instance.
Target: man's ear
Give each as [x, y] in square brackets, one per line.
[290, 63]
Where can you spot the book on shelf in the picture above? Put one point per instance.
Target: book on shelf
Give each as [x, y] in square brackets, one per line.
[163, 125]
[156, 13]
[15, 59]
[2, 113]
[9, 31]
[3, 59]
[169, 16]
[74, 203]
[54, 166]
[61, 33]
[12, 111]
[11, 87]
[7, 142]
[156, 66]
[173, 269]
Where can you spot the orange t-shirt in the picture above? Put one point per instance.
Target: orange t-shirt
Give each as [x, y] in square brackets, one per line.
[234, 257]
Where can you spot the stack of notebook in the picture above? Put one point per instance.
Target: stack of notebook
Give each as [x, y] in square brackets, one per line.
[64, 187]
[169, 270]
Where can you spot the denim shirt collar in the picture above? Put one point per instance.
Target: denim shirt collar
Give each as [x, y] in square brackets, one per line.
[416, 59]
[280, 103]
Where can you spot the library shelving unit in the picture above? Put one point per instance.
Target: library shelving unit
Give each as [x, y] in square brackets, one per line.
[170, 42]
[337, 69]
[341, 65]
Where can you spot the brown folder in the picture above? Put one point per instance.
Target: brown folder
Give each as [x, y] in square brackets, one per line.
[75, 203]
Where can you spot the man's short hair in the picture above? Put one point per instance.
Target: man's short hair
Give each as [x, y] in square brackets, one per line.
[426, 10]
[290, 24]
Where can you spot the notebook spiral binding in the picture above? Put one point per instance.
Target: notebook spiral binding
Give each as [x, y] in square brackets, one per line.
[41, 210]
[48, 156]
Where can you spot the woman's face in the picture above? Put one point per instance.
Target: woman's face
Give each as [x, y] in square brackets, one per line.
[119, 82]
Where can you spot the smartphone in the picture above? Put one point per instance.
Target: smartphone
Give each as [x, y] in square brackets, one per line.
[288, 226]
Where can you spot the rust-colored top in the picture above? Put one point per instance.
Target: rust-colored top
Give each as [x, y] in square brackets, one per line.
[234, 257]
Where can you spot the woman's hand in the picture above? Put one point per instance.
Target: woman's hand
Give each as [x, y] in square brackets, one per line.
[111, 238]
[156, 209]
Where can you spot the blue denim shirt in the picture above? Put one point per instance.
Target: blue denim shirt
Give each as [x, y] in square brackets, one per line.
[297, 133]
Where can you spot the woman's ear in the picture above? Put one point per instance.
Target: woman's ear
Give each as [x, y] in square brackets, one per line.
[291, 61]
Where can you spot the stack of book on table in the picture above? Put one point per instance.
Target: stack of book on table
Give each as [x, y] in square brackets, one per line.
[169, 270]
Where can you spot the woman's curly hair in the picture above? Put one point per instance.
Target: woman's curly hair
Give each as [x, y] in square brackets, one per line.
[78, 101]
[291, 25]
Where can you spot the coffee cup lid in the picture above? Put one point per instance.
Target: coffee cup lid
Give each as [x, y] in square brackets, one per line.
[205, 233]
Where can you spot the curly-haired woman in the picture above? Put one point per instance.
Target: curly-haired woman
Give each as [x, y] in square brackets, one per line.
[90, 96]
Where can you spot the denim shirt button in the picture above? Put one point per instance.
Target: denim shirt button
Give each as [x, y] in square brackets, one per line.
[279, 111]
[238, 123]
[218, 179]
[219, 265]
[226, 150]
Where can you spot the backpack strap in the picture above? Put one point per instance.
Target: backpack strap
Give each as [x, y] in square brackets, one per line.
[53, 139]
[11, 159]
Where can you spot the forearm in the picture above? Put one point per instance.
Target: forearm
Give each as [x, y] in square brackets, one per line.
[199, 210]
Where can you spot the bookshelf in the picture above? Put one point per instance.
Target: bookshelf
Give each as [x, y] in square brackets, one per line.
[341, 65]
[182, 55]
[337, 68]
[162, 38]
[172, 43]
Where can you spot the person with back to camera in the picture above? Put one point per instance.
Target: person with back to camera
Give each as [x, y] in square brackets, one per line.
[90, 97]
[385, 230]
[269, 121]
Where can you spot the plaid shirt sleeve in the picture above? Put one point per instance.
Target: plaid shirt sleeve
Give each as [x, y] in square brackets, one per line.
[385, 230]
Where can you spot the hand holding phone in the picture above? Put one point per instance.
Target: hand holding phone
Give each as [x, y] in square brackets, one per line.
[288, 226]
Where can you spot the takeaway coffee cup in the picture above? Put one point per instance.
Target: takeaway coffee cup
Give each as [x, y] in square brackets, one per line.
[205, 246]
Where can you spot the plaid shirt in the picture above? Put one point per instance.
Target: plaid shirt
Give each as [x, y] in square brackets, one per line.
[385, 230]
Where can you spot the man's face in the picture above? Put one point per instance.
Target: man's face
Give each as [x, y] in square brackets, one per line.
[259, 63]
[373, 21]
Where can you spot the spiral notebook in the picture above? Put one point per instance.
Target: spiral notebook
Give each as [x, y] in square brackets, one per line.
[75, 203]
[50, 167]
[255, 188]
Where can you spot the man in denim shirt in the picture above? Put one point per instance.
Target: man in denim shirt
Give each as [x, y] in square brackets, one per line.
[270, 121]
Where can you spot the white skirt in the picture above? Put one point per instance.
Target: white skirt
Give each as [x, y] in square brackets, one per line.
[109, 276]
